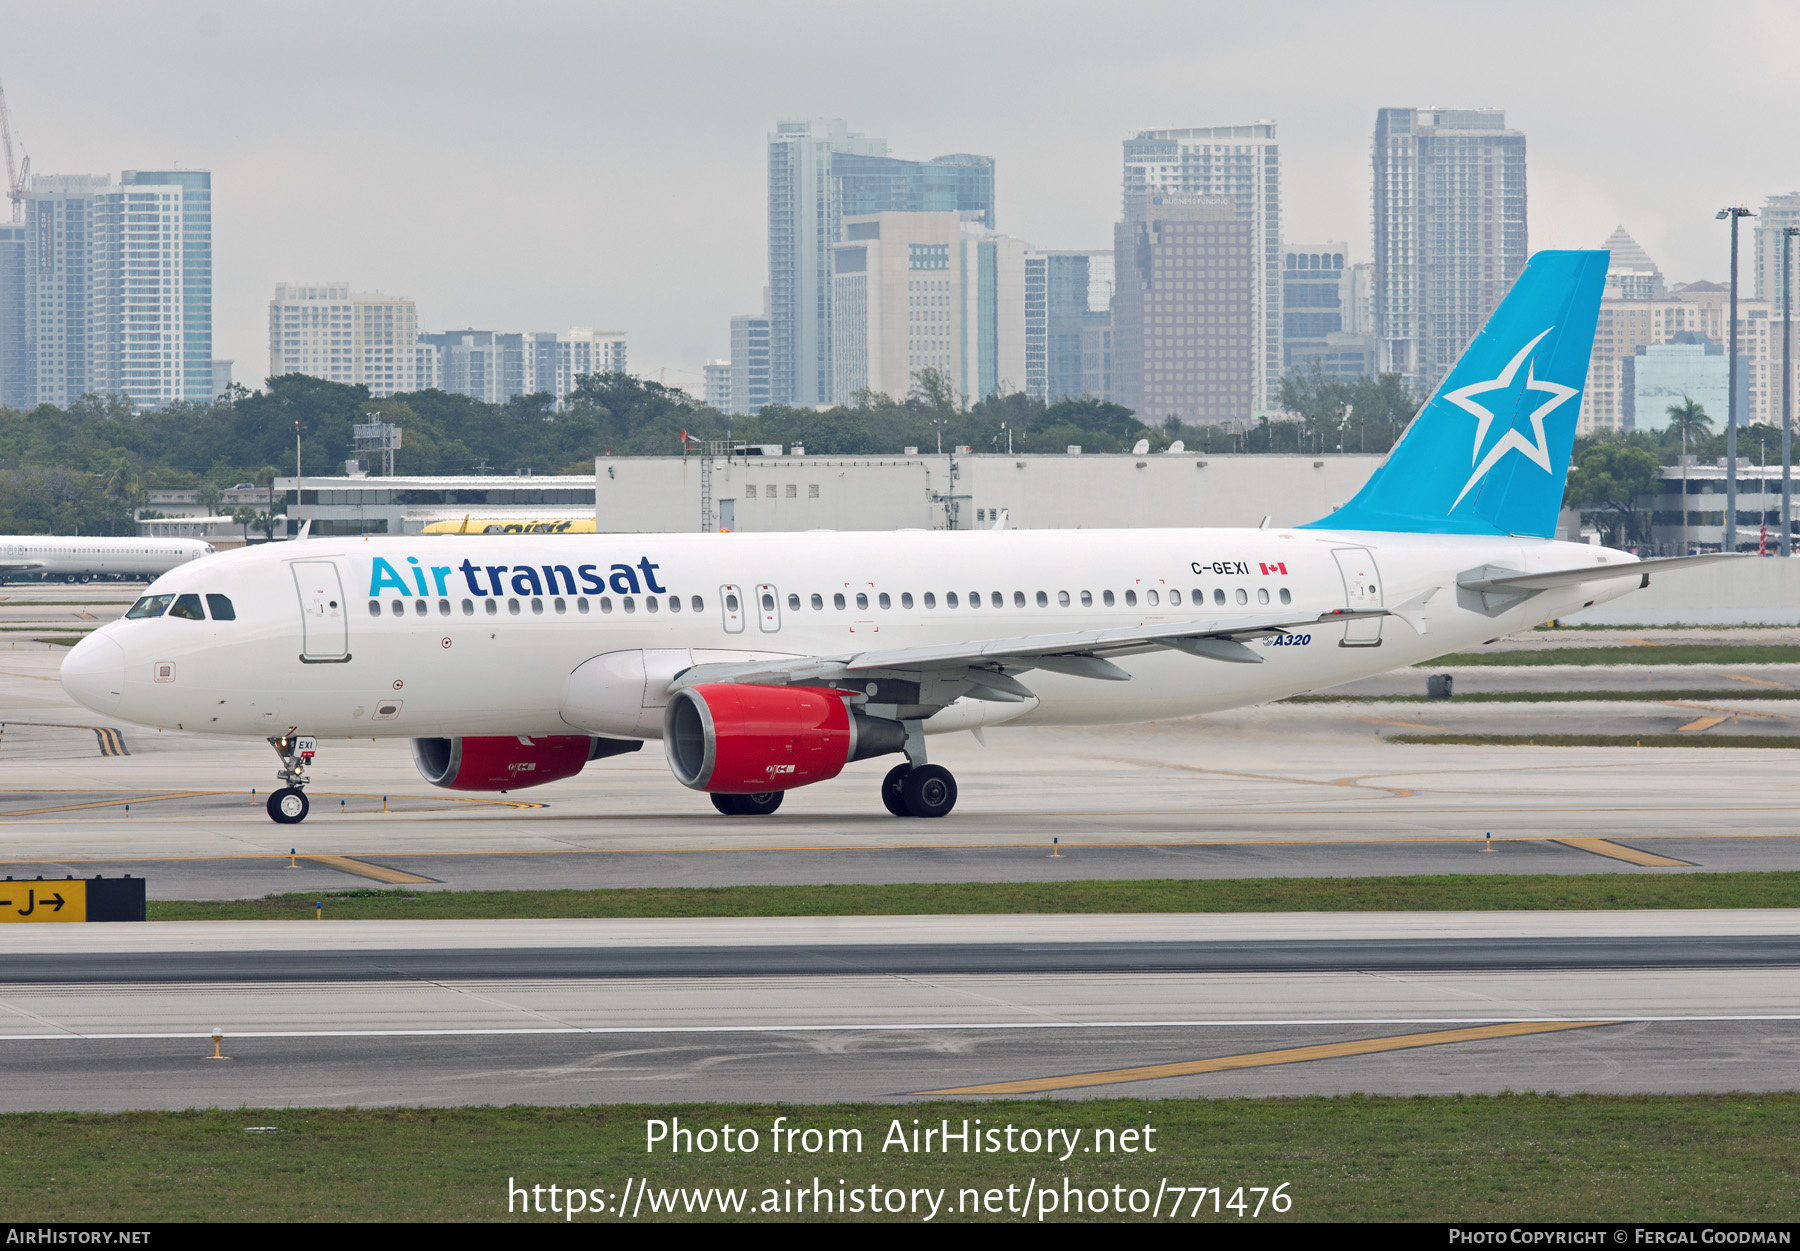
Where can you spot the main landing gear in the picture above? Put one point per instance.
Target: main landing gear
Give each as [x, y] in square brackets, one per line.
[918, 790]
[289, 805]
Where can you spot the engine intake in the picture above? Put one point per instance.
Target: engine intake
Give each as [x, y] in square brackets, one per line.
[509, 762]
[749, 740]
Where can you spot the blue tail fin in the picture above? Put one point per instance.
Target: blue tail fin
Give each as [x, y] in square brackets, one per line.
[1489, 451]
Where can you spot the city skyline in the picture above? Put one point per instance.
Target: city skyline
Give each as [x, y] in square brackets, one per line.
[593, 214]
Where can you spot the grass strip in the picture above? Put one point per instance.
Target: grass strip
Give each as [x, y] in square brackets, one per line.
[1549, 697]
[1436, 893]
[1783, 741]
[1511, 1157]
[1655, 654]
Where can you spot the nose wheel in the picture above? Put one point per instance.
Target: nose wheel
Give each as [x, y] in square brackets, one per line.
[288, 806]
[919, 791]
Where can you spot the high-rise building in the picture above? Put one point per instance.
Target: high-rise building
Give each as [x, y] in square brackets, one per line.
[221, 379]
[556, 359]
[718, 385]
[1777, 213]
[918, 291]
[1318, 299]
[1449, 232]
[1630, 273]
[112, 293]
[819, 173]
[1242, 165]
[1068, 294]
[325, 330]
[481, 364]
[495, 367]
[749, 364]
[1186, 311]
[14, 376]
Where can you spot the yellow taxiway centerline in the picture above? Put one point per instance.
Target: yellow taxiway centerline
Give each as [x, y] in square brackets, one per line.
[362, 868]
[1260, 1059]
[1618, 851]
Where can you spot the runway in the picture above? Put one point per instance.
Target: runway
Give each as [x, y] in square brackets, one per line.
[822, 1009]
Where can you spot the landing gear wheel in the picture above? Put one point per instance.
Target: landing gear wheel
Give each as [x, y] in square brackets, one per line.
[893, 790]
[749, 805]
[929, 791]
[288, 806]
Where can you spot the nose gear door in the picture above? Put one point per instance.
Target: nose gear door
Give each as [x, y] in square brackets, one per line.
[1362, 592]
[325, 626]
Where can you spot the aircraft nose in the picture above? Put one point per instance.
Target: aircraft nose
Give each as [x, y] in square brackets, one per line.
[93, 673]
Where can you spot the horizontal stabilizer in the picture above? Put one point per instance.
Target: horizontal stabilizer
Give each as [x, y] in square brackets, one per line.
[1488, 580]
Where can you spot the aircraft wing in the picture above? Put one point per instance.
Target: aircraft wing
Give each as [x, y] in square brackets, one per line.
[20, 566]
[980, 668]
[1489, 578]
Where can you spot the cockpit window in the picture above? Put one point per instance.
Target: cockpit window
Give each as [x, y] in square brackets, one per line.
[150, 606]
[188, 608]
[220, 606]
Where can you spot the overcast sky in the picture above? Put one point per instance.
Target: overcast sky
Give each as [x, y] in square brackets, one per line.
[532, 166]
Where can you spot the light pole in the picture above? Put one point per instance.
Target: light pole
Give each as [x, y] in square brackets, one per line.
[1731, 402]
[1787, 388]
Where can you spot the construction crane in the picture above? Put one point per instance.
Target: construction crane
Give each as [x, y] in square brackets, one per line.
[15, 180]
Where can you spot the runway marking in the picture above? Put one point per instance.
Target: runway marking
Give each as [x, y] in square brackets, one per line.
[111, 741]
[35, 676]
[361, 868]
[110, 803]
[1744, 677]
[1618, 851]
[1410, 725]
[137, 798]
[1261, 1059]
[859, 1027]
[1699, 724]
[1396, 791]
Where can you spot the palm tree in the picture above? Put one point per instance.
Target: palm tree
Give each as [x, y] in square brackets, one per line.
[1689, 418]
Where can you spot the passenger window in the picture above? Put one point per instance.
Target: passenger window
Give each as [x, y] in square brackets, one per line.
[1106, 597]
[884, 601]
[1174, 596]
[998, 600]
[930, 600]
[906, 599]
[768, 602]
[731, 603]
[696, 603]
[605, 603]
[630, 605]
[1062, 599]
[220, 608]
[1197, 596]
[537, 606]
[674, 603]
[650, 604]
[581, 605]
[974, 599]
[493, 606]
[1262, 594]
[950, 600]
[1131, 599]
[398, 608]
[1151, 597]
[1218, 595]
[862, 600]
[150, 606]
[1087, 599]
[837, 601]
[187, 607]
[1043, 600]
[1243, 596]
[1285, 597]
[818, 602]
[420, 608]
[560, 604]
[1018, 599]
[512, 606]
[374, 608]
[793, 603]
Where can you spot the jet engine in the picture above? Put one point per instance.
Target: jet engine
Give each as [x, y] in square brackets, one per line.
[508, 762]
[749, 740]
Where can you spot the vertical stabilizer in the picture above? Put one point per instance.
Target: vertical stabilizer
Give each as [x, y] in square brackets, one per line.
[1489, 451]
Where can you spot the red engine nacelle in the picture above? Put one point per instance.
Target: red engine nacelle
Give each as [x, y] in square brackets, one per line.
[749, 740]
[508, 762]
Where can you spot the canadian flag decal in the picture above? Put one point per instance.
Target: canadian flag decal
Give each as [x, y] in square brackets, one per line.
[1276, 568]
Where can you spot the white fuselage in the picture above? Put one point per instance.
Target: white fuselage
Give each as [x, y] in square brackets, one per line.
[325, 642]
[54, 555]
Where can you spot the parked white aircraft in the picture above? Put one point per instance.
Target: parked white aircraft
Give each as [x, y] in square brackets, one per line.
[81, 559]
[766, 662]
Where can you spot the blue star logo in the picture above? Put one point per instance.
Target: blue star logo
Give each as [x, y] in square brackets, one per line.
[1536, 448]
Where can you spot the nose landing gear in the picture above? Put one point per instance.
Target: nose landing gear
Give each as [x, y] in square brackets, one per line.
[289, 806]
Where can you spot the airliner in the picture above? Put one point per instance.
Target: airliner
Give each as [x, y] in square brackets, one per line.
[80, 559]
[766, 662]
